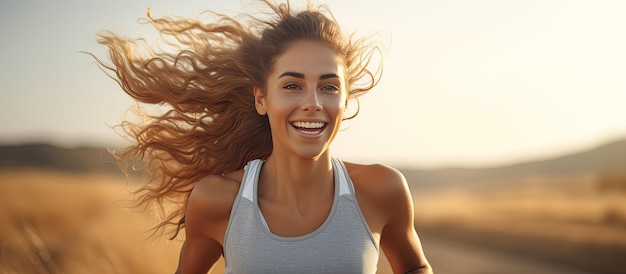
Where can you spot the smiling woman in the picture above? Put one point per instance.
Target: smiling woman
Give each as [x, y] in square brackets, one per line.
[244, 149]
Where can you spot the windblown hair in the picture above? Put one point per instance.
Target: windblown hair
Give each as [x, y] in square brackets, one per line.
[210, 125]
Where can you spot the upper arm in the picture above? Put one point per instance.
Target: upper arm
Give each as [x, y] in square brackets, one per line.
[205, 219]
[198, 255]
[399, 239]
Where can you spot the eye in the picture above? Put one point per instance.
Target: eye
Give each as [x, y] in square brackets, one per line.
[291, 86]
[330, 88]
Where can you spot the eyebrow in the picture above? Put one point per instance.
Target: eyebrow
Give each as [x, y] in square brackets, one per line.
[301, 76]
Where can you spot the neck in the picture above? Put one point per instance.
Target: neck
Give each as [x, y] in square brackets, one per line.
[292, 179]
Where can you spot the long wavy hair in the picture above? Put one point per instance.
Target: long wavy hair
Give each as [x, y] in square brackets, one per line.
[208, 124]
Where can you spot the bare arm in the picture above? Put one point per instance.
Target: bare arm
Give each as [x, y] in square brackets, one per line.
[207, 214]
[198, 256]
[399, 239]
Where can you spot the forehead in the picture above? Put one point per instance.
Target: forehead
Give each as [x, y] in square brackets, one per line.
[309, 58]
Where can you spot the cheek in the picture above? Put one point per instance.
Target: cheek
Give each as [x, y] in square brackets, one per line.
[338, 108]
[284, 104]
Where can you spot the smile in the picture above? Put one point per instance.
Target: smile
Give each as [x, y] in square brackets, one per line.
[309, 128]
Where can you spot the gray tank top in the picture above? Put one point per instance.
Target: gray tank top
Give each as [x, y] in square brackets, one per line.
[342, 244]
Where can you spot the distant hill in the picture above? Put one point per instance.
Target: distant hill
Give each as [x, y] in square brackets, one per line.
[607, 157]
[82, 159]
[610, 156]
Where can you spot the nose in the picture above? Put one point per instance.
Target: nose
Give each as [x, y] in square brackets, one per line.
[311, 101]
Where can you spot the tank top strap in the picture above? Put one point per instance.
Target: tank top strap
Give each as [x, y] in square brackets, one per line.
[342, 178]
[250, 176]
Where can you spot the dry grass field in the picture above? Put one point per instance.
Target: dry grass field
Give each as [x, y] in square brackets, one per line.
[578, 220]
[52, 222]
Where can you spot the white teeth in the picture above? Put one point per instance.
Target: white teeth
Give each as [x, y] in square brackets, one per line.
[311, 125]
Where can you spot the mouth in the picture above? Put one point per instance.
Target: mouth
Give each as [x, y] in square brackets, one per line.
[309, 128]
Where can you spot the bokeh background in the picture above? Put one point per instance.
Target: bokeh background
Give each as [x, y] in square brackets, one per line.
[506, 117]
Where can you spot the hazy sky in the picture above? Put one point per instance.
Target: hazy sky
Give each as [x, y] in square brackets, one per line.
[472, 83]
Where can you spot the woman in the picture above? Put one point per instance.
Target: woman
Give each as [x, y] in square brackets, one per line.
[244, 149]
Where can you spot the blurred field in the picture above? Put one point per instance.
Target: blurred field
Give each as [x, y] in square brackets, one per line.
[56, 222]
[578, 221]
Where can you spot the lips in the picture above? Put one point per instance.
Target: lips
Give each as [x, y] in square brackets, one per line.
[309, 128]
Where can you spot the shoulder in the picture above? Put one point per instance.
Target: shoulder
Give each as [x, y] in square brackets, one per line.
[215, 193]
[381, 180]
[212, 198]
[384, 188]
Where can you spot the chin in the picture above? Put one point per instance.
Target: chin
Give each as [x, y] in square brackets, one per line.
[312, 154]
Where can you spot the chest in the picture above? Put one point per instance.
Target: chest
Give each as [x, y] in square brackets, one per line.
[288, 221]
[342, 244]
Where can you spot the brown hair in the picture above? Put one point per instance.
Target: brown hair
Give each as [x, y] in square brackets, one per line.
[211, 125]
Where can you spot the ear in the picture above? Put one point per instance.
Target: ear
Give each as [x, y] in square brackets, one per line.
[259, 101]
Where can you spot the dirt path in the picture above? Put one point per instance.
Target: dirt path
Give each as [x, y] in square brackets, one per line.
[448, 257]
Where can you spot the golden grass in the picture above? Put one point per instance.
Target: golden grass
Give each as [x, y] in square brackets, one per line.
[54, 222]
[573, 209]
